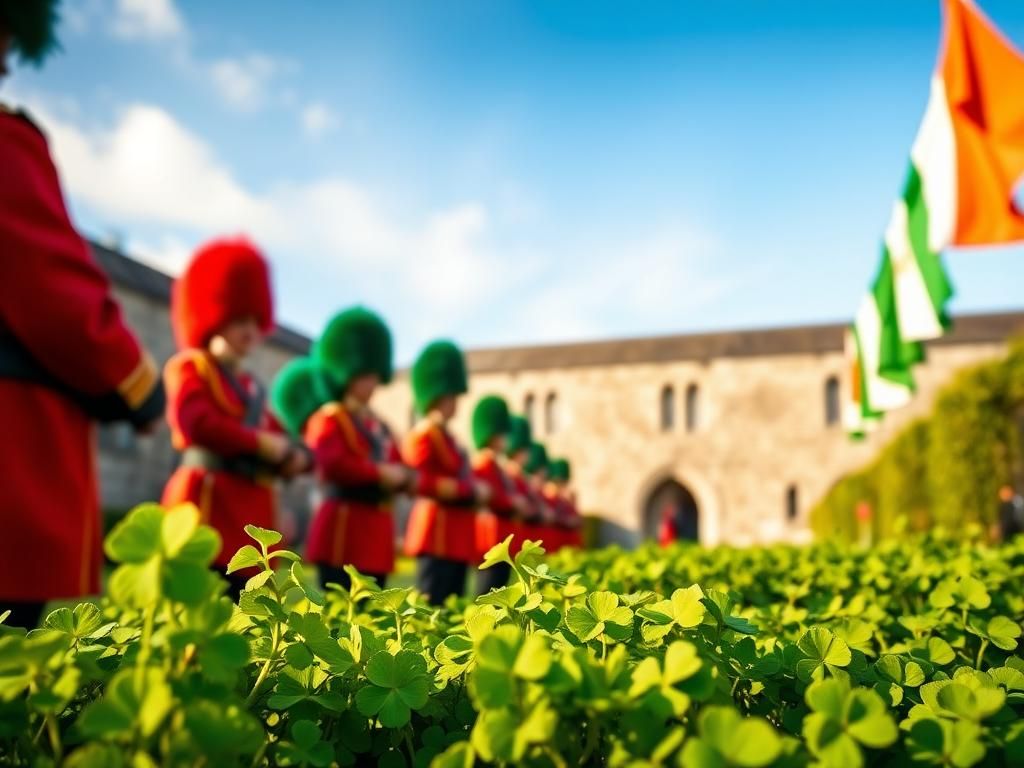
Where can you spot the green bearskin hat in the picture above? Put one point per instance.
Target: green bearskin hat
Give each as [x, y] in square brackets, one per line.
[31, 24]
[559, 470]
[440, 370]
[355, 342]
[299, 389]
[538, 460]
[520, 435]
[490, 419]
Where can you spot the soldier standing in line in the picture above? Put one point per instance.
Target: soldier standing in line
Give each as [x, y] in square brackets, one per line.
[67, 359]
[358, 462]
[542, 528]
[441, 531]
[570, 521]
[232, 449]
[491, 425]
[517, 447]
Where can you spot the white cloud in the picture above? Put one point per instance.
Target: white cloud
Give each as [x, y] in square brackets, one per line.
[318, 120]
[168, 253]
[147, 20]
[445, 268]
[244, 83]
[654, 282]
[147, 167]
[150, 172]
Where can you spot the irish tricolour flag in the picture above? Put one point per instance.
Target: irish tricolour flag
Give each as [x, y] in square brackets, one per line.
[965, 163]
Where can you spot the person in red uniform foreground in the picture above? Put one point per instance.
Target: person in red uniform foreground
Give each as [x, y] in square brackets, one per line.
[441, 531]
[491, 424]
[357, 459]
[67, 359]
[232, 448]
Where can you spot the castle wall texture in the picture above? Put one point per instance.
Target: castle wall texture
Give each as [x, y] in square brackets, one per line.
[760, 431]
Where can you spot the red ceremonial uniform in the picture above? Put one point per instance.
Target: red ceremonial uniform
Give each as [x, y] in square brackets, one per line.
[205, 411]
[56, 303]
[441, 523]
[531, 527]
[498, 521]
[354, 524]
[554, 532]
[572, 521]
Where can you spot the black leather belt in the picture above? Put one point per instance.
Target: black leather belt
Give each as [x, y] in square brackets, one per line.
[17, 363]
[249, 467]
[372, 495]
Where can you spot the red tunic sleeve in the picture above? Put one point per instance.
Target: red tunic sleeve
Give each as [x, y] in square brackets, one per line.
[201, 413]
[489, 471]
[54, 299]
[437, 462]
[341, 456]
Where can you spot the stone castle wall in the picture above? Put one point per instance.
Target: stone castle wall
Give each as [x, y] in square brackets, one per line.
[760, 431]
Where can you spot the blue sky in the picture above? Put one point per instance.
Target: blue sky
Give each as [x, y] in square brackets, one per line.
[510, 172]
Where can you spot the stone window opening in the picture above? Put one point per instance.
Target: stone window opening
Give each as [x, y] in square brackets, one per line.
[792, 504]
[831, 401]
[668, 408]
[528, 408]
[692, 408]
[551, 413]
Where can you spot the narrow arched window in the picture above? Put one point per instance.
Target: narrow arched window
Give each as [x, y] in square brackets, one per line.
[528, 408]
[792, 503]
[692, 408]
[551, 413]
[831, 401]
[668, 408]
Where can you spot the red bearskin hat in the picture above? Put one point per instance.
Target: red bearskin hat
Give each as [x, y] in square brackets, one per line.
[227, 279]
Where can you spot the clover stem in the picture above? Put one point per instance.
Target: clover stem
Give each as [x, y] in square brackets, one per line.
[981, 653]
[145, 646]
[591, 743]
[409, 746]
[51, 729]
[266, 666]
[398, 628]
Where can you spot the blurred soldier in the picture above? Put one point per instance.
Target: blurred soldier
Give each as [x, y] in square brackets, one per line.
[441, 531]
[517, 450]
[232, 448]
[542, 526]
[568, 518]
[67, 359]
[357, 459]
[491, 425]
[1011, 513]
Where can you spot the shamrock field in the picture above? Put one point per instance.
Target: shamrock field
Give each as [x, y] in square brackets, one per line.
[902, 654]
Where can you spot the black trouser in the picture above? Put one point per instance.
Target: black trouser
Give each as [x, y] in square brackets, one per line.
[333, 574]
[23, 614]
[437, 578]
[494, 577]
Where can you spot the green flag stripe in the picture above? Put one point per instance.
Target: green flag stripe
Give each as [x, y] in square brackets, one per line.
[940, 288]
[895, 356]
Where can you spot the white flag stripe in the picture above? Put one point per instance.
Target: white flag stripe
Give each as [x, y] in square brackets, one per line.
[915, 312]
[854, 420]
[934, 156]
[882, 394]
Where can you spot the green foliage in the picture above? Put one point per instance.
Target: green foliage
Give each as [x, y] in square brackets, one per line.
[945, 469]
[905, 654]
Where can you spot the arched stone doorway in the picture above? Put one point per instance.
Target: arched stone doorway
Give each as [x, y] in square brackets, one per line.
[670, 497]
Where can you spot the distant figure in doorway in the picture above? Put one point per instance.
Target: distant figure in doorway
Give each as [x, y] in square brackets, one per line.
[1011, 513]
